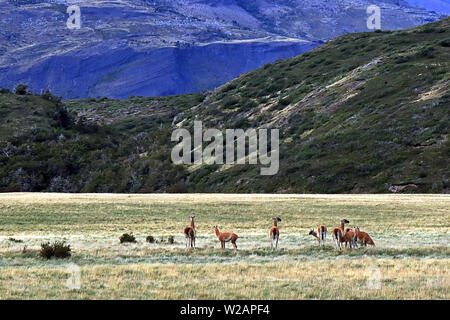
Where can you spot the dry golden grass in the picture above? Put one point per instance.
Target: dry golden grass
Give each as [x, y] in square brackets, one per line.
[399, 279]
[411, 259]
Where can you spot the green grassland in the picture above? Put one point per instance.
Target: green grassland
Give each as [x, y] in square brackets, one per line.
[411, 256]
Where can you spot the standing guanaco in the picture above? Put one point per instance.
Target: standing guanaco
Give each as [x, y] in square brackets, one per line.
[338, 233]
[349, 238]
[320, 235]
[274, 232]
[225, 237]
[189, 234]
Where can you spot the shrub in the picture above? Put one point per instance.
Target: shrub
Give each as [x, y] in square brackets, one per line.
[427, 52]
[445, 43]
[402, 59]
[241, 123]
[229, 87]
[21, 89]
[171, 240]
[61, 250]
[46, 250]
[429, 29]
[285, 101]
[47, 95]
[150, 239]
[229, 102]
[127, 238]
[57, 249]
[13, 187]
[179, 187]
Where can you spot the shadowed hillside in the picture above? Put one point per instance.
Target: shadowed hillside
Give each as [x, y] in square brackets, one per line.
[365, 112]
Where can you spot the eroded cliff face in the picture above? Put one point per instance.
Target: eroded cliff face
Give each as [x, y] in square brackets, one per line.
[169, 47]
[120, 72]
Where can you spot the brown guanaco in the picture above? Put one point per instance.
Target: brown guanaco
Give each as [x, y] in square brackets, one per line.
[274, 232]
[189, 234]
[363, 237]
[225, 237]
[349, 238]
[338, 233]
[320, 235]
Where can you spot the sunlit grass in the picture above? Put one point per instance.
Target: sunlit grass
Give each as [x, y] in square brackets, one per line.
[411, 233]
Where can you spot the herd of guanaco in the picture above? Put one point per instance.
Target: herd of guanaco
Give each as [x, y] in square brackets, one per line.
[351, 237]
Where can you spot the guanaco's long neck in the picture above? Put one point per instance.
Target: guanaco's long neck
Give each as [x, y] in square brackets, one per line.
[217, 232]
[192, 223]
[275, 223]
[315, 235]
[342, 226]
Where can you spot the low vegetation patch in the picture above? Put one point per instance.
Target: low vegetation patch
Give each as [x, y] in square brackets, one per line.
[127, 238]
[57, 249]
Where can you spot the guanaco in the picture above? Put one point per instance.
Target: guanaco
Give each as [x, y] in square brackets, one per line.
[363, 237]
[274, 232]
[349, 238]
[320, 235]
[225, 237]
[190, 233]
[355, 241]
[338, 233]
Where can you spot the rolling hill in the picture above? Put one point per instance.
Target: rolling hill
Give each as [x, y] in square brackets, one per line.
[364, 112]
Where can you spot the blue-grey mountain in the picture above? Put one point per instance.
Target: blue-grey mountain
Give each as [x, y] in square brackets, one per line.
[165, 47]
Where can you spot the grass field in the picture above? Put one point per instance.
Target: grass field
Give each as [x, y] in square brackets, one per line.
[410, 261]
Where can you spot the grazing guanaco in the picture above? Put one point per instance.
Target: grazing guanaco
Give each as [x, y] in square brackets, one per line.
[274, 232]
[320, 235]
[225, 237]
[338, 233]
[189, 234]
[363, 237]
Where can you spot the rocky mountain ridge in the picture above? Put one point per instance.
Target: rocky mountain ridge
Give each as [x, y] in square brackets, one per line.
[165, 47]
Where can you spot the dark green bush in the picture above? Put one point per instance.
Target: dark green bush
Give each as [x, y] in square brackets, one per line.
[127, 238]
[21, 89]
[47, 95]
[47, 250]
[150, 239]
[61, 250]
[230, 102]
[57, 249]
[445, 43]
[427, 52]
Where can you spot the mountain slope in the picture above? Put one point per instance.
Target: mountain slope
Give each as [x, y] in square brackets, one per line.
[169, 47]
[365, 112]
[442, 6]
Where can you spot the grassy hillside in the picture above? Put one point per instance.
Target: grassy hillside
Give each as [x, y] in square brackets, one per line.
[365, 112]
